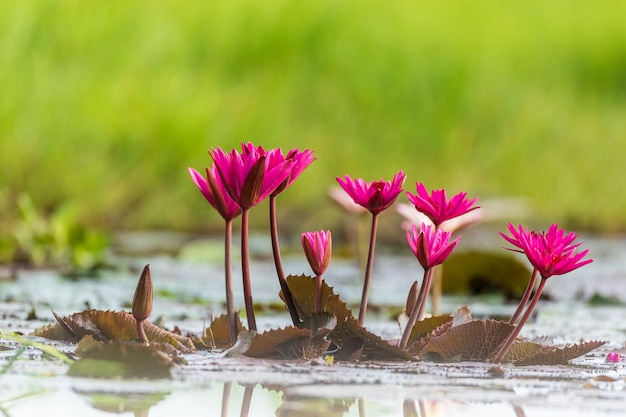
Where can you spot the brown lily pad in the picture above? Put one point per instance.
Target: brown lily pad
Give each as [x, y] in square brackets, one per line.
[217, 335]
[287, 343]
[473, 341]
[110, 326]
[530, 353]
[303, 291]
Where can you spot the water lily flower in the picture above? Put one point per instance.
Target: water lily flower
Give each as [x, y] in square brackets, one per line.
[212, 188]
[613, 357]
[247, 175]
[375, 196]
[437, 207]
[431, 246]
[318, 248]
[249, 179]
[551, 253]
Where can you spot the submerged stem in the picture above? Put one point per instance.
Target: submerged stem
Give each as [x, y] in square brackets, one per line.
[368, 269]
[228, 276]
[509, 340]
[525, 297]
[291, 305]
[245, 270]
[415, 311]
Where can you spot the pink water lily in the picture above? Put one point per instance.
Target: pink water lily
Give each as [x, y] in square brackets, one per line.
[318, 248]
[375, 196]
[437, 206]
[431, 246]
[247, 175]
[550, 253]
[212, 188]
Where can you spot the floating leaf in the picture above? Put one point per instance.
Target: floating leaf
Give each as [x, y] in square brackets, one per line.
[304, 289]
[122, 360]
[417, 347]
[374, 347]
[472, 341]
[111, 326]
[529, 353]
[426, 326]
[287, 343]
[217, 335]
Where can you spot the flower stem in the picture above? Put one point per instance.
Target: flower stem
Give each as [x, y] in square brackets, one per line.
[318, 294]
[368, 269]
[509, 341]
[525, 297]
[415, 311]
[291, 305]
[245, 270]
[142, 333]
[424, 292]
[226, 398]
[228, 275]
[437, 288]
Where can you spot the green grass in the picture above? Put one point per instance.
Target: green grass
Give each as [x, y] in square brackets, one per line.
[103, 107]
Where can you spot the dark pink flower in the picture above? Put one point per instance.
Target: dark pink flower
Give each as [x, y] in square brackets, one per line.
[551, 252]
[248, 176]
[212, 188]
[431, 246]
[317, 248]
[437, 206]
[613, 357]
[375, 196]
[300, 161]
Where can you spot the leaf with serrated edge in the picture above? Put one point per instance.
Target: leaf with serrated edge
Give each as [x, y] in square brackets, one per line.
[109, 326]
[375, 348]
[424, 327]
[472, 341]
[303, 291]
[287, 343]
[558, 355]
[218, 334]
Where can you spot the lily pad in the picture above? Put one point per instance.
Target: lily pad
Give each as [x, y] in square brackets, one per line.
[287, 343]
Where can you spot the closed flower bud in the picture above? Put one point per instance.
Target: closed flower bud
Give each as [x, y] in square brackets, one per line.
[142, 301]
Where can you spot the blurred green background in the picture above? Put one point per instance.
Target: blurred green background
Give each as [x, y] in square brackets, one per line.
[105, 105]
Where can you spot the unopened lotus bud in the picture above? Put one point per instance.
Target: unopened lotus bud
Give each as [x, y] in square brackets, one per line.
[412, 298]
[142, 301]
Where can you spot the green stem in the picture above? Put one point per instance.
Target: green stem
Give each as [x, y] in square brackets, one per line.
[525, 297]
[416, 310]
[245, 270]
[368, 269]
[509, 341]
[228, 275]
[291, 305]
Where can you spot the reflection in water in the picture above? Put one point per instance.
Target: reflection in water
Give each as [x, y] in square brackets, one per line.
[230, 399]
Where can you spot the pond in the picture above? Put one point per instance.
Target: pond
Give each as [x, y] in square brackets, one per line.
[189, 290]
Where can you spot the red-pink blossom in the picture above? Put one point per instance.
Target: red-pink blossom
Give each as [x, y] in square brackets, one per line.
[375, 196]
[317, 248]
[551, 252]
[247, 175]
[437, 206]
[212, 188]
[431, 246]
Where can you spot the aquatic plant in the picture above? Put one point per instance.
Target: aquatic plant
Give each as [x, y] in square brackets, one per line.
[248, 178]
[550, 253]
[375, 196]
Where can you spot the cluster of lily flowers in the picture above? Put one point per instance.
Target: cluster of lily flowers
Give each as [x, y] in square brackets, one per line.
[239, 180]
